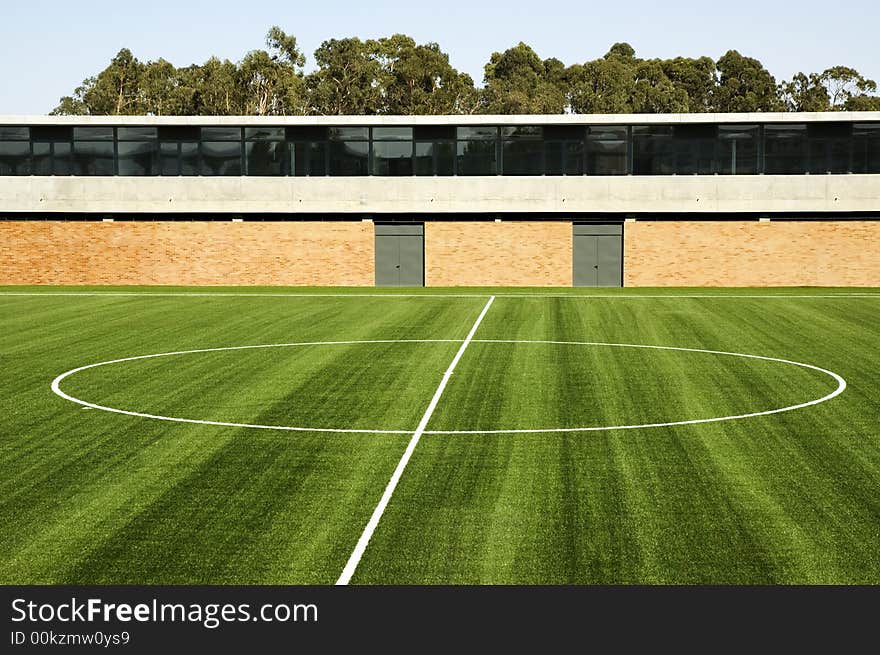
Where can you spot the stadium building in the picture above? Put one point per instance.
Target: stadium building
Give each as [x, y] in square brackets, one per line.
[583, 200]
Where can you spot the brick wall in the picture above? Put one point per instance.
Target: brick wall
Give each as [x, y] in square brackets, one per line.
[656, 253]
[186, 253]
[510, 253]
[751, 253]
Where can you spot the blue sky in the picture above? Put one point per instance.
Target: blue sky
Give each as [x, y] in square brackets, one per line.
[47, 48]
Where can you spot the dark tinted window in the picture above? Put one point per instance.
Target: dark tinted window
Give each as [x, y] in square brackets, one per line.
[435, 158]
[15, 158]
[93, 158]
[93, 133]
[866, 148]
[349, 133]
[392, 158]
[523, 157]
[221, 158]
[265, 157]
[14, 133]
[605, 151]
[137, 133]
[738, 149]
[349, 158]
[221, 134]
[653, 150]
[829, 147]
[62, 158]
[264, 133]
[137, 157]
[41, 163]
[392, 133]
[189, 158]
[476, 158]
[785, 149]
[168, 159]
[481, 133]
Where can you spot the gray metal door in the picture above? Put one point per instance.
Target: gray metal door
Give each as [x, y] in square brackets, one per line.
[400, 255]
[597, 255]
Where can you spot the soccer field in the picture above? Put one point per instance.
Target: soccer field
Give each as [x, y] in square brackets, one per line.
[439, 436]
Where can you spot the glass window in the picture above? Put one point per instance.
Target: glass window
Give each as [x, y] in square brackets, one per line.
[138, 157]
[92, 158]
[349, 133]
[476, 158]
[694, 149]
[349, 158]
[221, 134]
[42, 158]
[189, 158]
[522, 157]
[299, 158]
[738, 149]
[564, 157]
[435, 158]
[15, 158]
[392, 158]
[653, 150]
[14, 133]
[829, 147]
[265, 157]
[606, 150]
[522, 131]
[221, 158]
[264, 133]
[480, 132]
[866, 148]
[785, 149]
[317, 158]
[168, 159]
[137, 133]
[392, 133]
[62, 159]
[93, 134]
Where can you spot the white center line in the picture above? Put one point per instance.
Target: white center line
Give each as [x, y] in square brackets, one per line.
[370, 528]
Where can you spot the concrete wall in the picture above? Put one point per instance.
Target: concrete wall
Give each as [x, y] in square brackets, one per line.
[187, 253]
[752, 253]
[460, 253]
[438, 195]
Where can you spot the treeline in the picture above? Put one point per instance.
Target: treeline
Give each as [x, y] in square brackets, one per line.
[396, 75]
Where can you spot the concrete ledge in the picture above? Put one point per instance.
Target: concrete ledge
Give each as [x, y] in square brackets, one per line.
[438, 195]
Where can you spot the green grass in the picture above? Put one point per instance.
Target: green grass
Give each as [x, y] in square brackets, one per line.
[88, 496]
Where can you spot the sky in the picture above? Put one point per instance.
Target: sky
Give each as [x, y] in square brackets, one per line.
[48, 48]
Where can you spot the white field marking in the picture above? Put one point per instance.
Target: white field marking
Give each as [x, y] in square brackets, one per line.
[367, 534]
[87, 405]
[841, 386]
[610, 296]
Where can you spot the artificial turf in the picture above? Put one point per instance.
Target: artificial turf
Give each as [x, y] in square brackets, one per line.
[89, 496]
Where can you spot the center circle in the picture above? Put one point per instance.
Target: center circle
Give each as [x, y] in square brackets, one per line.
[841, 386]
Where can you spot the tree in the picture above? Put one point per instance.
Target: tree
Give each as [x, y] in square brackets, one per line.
[805, 93]
[348, 79]
[272, 80]
[517, 81]
[74, 105]
[418, 79]
[863, 103]
[601, 86]
[744, 85]
[216, 89]
[696, 77]
[653, 92]
[843, 84]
